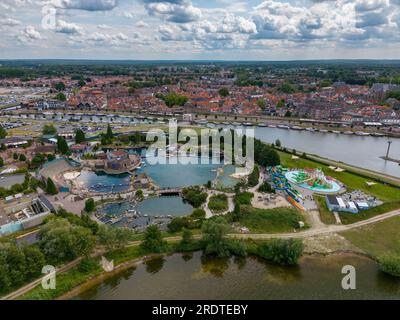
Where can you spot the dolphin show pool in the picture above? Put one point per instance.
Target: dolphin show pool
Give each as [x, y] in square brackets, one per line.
[313, 180]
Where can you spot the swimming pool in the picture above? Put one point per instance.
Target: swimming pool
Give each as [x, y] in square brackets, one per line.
[334, 186]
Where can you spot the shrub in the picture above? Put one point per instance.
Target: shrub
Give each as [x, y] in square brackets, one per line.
[244, 198]
[266, 188]
[390, 265]
[177, 224]
[90, 205]
[194, 196]
[218, 203]
[153, 241]
[214, 241]
[253, 178]
[282, 251]
[198, 214]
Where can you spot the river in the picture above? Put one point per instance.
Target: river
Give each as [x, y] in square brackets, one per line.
[359, 151]
[191, 276]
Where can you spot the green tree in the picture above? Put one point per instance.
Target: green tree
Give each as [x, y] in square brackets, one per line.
[82, 83]
[49, 129]
[61, 96]
[262, 104]
[253, 177]
[282, 251]
[214, 237]
[153, 241]
[187, 238]
[223, 92]
[1, 162]
[34, 261]
[139, 195]
[15, 156]
[79, 136]
[59, 86]
[62, 145]
[61, 241]
[22, 157]
[177, 224]
[281, 103]
[109, 133]
[51, 187]
[278, 143]
[114, 238]
[90, 205]
[3, 132]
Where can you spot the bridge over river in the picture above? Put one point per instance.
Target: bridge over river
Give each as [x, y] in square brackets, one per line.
[170, 192]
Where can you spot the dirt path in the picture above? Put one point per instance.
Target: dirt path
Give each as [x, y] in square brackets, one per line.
[322, 230]
[319, 230]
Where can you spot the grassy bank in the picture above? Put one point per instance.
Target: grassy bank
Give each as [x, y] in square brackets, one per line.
[352, 181]
[278, 220]
[326, 216]
[218, 203]
[79, 275]
[377, 239]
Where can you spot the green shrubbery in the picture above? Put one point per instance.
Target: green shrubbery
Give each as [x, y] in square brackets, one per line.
[281, 251]
[194, 196]
[253, 177]
[265, 187]
[194, 221]
[390, 264]
[218, 203]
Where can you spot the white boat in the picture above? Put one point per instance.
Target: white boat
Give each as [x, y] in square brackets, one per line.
[226, 123]
[296, 128]
[282, 126]
[348, 132]
[361, 133]
[323, 130]
[377, 134]
[247, 124]
[310, 129]
[335, 131]
[262, 125]
[236, 123]
[271, 126]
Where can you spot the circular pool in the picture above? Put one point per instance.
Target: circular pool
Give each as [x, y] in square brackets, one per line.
[314, 181]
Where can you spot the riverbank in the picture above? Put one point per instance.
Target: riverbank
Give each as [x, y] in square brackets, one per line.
[74, 281]
[216, 269]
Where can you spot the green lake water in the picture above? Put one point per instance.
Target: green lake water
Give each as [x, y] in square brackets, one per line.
[191, 276]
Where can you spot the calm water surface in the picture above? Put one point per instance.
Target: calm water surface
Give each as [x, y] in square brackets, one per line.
[191, 276]
[164, 206]
[102, 182]
[356, 150]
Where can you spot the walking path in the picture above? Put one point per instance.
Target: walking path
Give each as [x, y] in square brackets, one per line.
[318, 229]
[324, 229]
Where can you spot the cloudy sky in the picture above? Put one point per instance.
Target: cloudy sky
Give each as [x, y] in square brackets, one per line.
[200, 29]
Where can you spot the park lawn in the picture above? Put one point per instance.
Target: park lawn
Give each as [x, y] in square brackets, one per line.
[326, 216]
[218, 203]
[278, 220]
[352, 181]
[377, 239]
[349, 218]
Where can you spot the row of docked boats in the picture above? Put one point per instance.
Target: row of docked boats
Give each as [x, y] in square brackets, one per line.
[284, 126]
[311, 129]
